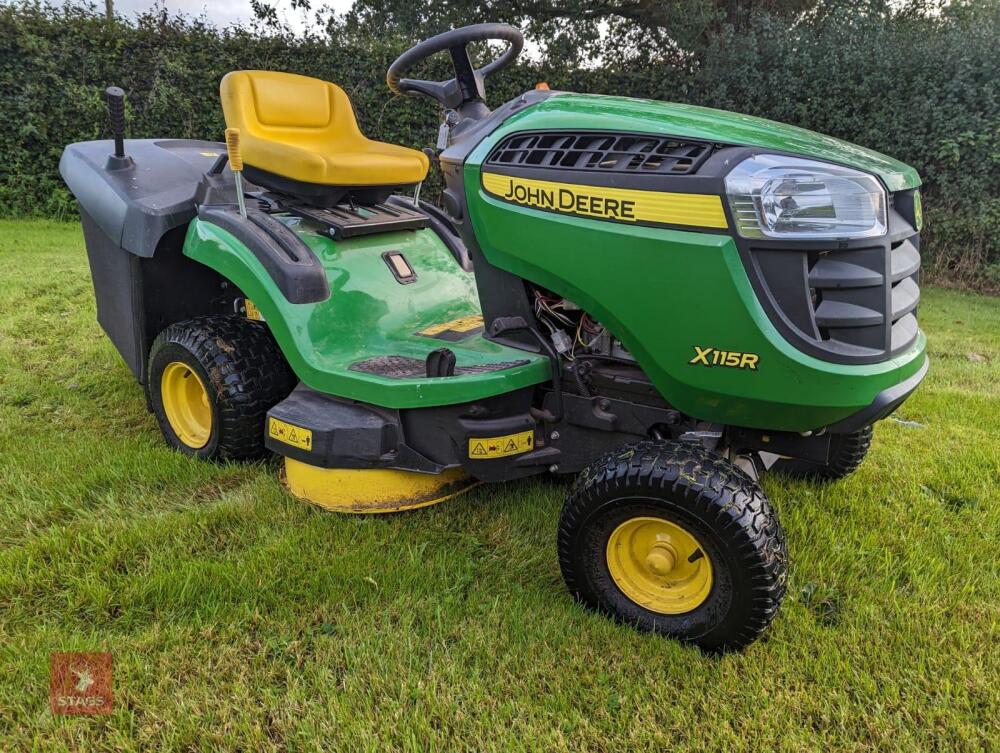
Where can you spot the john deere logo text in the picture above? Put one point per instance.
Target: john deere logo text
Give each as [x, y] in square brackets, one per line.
[730, 358]
[575, 201]
[607, 203]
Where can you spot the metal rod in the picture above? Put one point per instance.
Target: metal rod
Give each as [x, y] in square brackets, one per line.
[416, 195]
[239, 194]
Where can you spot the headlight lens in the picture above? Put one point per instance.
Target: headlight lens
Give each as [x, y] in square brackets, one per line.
[772, 196]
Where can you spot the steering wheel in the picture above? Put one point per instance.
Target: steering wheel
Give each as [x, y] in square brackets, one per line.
[469, 83]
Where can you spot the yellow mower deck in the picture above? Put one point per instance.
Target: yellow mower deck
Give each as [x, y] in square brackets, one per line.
[372, 490]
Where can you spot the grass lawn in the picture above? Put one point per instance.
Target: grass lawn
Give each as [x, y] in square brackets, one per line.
[240, 618]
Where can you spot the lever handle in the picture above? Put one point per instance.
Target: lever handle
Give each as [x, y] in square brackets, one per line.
[503, 324]
[236, 165]
[116, 116]
[233, 149]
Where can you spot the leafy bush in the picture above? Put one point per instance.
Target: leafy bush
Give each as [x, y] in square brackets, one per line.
[921, 86]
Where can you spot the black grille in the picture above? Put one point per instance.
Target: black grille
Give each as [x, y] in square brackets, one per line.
[601, 152]
[849, 294]
[855, 303]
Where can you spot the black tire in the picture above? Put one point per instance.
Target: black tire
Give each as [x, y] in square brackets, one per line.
[243, 372]
[847, 452]
[714, 501]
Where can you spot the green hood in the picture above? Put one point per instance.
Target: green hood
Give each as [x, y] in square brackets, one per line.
[592, 111]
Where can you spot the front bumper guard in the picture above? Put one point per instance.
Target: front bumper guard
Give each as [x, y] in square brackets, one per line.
[884, 403]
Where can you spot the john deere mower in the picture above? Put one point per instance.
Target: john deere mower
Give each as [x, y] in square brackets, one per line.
[665, 301]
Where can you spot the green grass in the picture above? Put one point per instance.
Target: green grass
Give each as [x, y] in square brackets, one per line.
[240, 618]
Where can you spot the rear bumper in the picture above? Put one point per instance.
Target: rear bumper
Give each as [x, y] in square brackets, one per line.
[884, 403]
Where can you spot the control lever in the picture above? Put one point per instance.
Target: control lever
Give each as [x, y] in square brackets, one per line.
[236, 165]
[430, 154]
[115, 98]
[441, 363]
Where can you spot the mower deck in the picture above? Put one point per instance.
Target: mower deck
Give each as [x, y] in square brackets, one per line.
[372, 490]
[394, 299]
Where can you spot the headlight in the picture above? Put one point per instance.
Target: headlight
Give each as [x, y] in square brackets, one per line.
[772, 196]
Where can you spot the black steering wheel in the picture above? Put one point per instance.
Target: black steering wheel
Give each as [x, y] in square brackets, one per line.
[469, 83]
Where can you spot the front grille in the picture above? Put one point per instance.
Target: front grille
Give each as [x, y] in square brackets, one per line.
[853, 303]
[601, 152]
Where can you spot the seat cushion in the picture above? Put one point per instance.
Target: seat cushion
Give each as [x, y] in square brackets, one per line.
[304, 129]
[376, 164]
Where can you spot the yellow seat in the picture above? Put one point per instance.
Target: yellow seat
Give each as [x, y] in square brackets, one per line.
[303, 129]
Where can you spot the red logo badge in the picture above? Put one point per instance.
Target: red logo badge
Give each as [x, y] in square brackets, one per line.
[80, 684]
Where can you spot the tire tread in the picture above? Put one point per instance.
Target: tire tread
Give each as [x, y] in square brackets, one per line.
[246, 369]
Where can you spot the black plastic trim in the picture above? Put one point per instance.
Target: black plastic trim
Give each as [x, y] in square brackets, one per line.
[321, 194]
[137, 203]
[351, 434]
[292, 265]
[885, 402]
[345, 434]
[345, 221]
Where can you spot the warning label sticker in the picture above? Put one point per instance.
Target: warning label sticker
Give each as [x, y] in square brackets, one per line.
[296, 436]
[456, 329]
[252, 311]
[484, 448]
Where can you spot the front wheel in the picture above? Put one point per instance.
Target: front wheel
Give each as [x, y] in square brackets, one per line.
[671, 538]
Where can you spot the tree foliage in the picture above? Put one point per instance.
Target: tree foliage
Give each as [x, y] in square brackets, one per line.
[608, 31]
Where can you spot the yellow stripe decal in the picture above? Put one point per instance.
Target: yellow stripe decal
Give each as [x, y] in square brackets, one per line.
[602, 202]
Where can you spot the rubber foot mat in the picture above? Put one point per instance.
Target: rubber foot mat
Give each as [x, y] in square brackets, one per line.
[404, 367]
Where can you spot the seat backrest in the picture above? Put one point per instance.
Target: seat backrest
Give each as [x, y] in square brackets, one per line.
[287, 107]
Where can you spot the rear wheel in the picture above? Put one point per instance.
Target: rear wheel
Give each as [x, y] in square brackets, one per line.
[847, 452]
[211, 381]
[672, 538]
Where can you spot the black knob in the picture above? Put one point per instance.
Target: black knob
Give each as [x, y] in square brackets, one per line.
[116, 117]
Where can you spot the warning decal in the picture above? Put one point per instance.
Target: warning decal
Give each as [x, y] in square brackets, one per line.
[485, 448]
[252, 311]
[296, 436]
[456, 329]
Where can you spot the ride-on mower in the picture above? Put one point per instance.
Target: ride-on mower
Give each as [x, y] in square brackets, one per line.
[665, 300]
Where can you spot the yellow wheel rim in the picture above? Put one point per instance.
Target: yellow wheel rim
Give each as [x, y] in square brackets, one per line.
[659, 565]
[186, 403]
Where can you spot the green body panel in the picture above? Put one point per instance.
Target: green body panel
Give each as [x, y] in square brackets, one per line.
[370, 314]
[566, 111]
[662, 292]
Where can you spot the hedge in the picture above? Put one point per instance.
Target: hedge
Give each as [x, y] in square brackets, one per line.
[924, 88]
